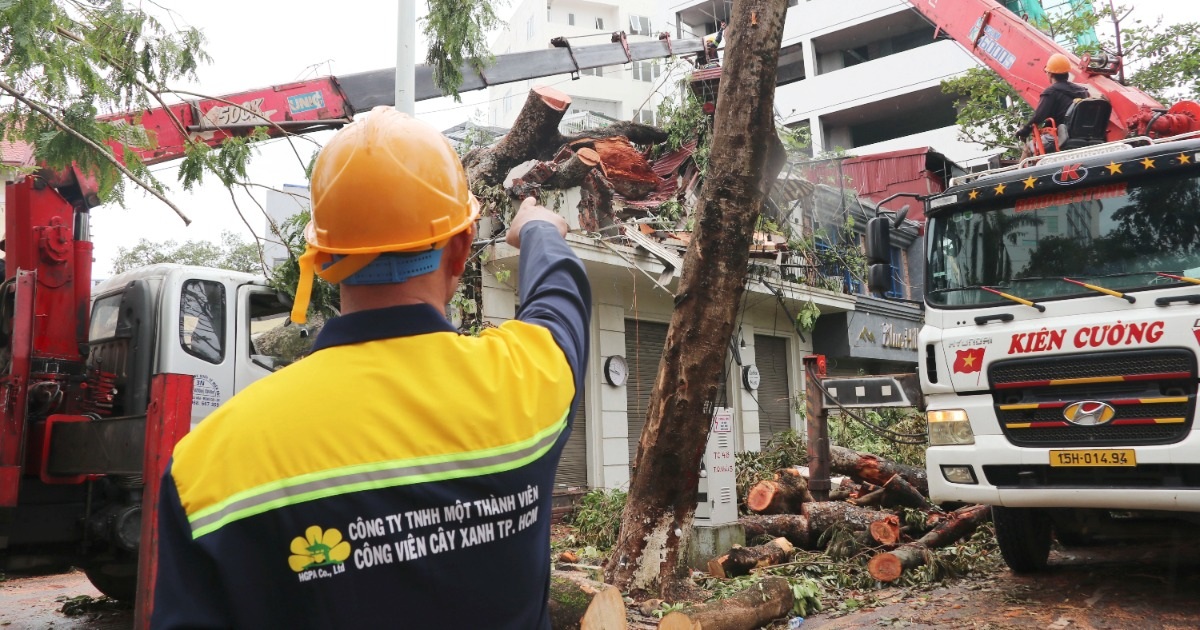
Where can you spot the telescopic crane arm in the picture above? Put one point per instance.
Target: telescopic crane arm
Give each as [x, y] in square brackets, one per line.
[1018, 52]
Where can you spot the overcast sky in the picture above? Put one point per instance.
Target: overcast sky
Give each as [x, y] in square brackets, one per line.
[258, 44]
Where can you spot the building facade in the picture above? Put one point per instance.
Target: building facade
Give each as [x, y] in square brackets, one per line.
[863, 76]
[625, 92]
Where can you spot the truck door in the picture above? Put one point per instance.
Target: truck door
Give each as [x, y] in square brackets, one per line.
[259, 312]
[201, 339]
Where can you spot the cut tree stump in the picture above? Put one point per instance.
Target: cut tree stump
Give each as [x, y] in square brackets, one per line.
[743, 560]
[793, 527]
[577, 603]
[889, 566]
[749, 609]
[874, 469]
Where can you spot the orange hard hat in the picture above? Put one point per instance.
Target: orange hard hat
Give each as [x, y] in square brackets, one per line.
[1058, 64]
[386, 183]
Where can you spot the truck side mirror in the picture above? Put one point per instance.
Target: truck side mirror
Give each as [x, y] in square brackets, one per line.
[879, 255]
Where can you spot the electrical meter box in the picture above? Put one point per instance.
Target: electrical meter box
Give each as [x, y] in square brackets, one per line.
[716, 503]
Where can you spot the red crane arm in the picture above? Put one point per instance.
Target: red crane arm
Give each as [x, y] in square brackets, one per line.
[1018, 51]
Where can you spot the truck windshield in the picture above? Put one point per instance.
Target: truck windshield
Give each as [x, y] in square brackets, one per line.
[1118, 236]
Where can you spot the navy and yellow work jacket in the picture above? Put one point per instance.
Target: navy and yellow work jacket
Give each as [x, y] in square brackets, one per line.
[398, 477]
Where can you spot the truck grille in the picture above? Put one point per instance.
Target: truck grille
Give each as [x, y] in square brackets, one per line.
[1153, 395]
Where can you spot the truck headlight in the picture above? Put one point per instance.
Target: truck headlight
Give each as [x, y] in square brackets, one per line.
[948, 427]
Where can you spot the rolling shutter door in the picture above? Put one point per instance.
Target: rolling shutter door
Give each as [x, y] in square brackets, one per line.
[644, 343]
[774, 392]
[572, 466]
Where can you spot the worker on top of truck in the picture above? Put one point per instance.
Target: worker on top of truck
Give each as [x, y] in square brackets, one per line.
[401, 470]
[1053, 104]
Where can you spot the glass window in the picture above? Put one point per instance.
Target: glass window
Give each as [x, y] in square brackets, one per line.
[105, 314]
[599, 24]
[571, 19]
[202, 319]
[1118, 235]
[639, 25]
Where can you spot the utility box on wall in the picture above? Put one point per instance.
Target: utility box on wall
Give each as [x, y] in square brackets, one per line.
[717, 501]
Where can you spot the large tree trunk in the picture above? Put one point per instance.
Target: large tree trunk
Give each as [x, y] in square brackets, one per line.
[825, 515]
[793, 527]
[752, 608]
[743, 560]
[742, 167]
[536, 127]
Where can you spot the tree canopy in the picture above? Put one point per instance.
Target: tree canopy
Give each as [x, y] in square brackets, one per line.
[1161, 60]
[233, 253]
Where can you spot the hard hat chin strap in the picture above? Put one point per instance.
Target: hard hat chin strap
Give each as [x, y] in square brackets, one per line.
[359, 269]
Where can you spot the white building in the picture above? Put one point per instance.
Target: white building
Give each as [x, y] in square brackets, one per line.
[628, 92]
[864, 76]
[281, 205]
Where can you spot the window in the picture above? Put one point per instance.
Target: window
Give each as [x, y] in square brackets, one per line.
[105, 315]
[599, 24]
[202, 319]
[644, 116]
[897, 257]
[646, 71]
[508, 100]
[571, 19]
[639, 25]
[594, 72]
[529, 28]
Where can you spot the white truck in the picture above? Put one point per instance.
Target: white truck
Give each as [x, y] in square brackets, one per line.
[1058, 356]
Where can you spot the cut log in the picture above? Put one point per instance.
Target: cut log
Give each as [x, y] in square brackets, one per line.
[897, 491]
[823, 515]
[793, 527]
[577, 603]
[889, 566]
[782, 495]
[874, 469]
[752, 608]
[886, 531]
[626, 167]
[743, 560]
[571, 171]
[536, 126]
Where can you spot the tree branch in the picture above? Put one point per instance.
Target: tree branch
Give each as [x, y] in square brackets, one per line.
[104, 152]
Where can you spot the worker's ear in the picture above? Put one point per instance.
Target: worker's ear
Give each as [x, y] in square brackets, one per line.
[458, 250]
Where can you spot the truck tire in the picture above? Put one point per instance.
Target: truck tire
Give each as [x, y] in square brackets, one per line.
[1024, 536]
[114, 575]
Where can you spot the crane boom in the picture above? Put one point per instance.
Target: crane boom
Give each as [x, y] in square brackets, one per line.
[1018, 51]
[330, 102]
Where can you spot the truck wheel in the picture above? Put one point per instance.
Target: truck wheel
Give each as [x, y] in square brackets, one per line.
[1024, 537]
[115, 576]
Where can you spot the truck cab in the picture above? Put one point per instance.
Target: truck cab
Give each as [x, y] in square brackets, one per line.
[183, 320]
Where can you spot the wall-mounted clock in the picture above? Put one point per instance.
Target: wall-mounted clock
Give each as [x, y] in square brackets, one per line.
[615, 370]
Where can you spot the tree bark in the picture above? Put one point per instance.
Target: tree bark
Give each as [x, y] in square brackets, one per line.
[743, 560]
[783, 495]
[824, 515]
[536, 127]
[897, 491]
[752, 608]
[637, 133]
[577, 603]
[571, 172]
[662, 493]
[888, 567]
[793, 527]
[874, 469]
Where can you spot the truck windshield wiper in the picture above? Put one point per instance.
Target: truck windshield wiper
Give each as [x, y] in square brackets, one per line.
[1097, 289]
[1018, 300]
[1179, 278]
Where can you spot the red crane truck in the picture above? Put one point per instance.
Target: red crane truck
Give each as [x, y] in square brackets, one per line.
[97, 386]
[1058, 358]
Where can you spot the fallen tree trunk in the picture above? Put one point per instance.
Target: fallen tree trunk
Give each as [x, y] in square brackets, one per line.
[793, 527]
[889, 566]
[897, 491]
[577, 603]
[752, 608]
[536, 126]
[571, 172]
[743, 560]
[871, 468]
[824, 515]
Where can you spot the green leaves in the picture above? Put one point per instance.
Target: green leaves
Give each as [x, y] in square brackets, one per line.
[232, 253]
[457, 31]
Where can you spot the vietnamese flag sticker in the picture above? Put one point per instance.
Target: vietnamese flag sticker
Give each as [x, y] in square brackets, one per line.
[969, 360]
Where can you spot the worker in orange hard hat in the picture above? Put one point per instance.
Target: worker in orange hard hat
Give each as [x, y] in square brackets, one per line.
[402, 467]
[1053, 104]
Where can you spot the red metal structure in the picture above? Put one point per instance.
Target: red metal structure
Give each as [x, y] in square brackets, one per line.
[1018, 51]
